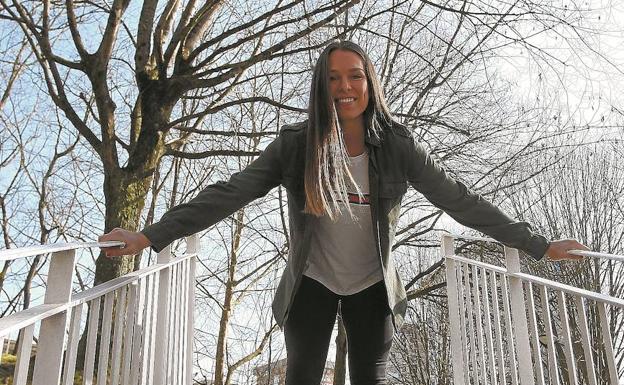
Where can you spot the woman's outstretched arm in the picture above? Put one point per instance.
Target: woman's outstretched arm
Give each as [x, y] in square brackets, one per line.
[211, 205]
[474, 211]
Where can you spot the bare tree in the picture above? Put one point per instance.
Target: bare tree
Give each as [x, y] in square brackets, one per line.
[188, 50]
[162, 100]
[582, 198]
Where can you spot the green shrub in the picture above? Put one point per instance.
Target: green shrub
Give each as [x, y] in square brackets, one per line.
[9, 359]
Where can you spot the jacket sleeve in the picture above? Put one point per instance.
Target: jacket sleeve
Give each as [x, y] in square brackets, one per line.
[468, 208]
[219, 200]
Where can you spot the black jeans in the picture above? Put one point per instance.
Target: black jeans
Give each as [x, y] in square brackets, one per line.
[310, 322]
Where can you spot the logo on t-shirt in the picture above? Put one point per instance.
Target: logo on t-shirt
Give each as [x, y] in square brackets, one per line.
[356, 199]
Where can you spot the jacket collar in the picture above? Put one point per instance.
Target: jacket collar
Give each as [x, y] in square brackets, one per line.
[375, 139]
[372, 140]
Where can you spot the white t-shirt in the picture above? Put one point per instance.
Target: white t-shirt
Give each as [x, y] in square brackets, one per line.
[343, 256]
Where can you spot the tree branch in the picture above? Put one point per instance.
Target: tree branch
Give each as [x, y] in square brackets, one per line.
[424, 291]
[181, 30]
[223, 106]
[54, 82]
[105, 49]
[225, 133]
[73, 28]
[425, 273]
[209, 153]
[463, 12]
[254, 354]
[199, 24]
[68, 63]
[239, 67]
[163, 28]
[16, 69]
[144, 33]
[266, 16]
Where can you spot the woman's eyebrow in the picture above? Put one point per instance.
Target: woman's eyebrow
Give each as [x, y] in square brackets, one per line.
[350, 69]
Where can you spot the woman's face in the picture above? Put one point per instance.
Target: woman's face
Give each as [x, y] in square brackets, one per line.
[347, 85]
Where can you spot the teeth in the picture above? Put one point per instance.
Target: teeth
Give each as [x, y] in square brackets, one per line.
[346, 100]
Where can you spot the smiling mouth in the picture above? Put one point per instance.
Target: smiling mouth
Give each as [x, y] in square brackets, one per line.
[344, 100]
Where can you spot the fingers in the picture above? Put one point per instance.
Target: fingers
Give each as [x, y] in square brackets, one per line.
[564, 257]
[116, 251]
[560, 250]
[111, 252]
[574, 257]
[117, 234]
[113, 235]
[581, 246]
[573, 244]
[119, 252]
[134, 242]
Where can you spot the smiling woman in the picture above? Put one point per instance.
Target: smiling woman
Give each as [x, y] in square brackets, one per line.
[346, 107]
[348, 87]
[346, 170]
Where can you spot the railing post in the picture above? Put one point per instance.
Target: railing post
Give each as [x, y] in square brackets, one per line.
[162, 319]
[193, 247]
[607, 343]
[519, 317]
[52, 332]
[457, 356]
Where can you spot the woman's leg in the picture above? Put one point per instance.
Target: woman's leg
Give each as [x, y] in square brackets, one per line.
[368, 322]
[308, 331]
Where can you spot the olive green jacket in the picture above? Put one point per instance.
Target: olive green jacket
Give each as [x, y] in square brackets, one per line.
[396, 161]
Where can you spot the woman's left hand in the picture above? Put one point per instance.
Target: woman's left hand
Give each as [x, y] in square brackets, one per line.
[558, 250]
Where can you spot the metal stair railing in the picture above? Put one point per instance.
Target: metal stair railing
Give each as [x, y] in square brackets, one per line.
[508, 327]
[139, 326]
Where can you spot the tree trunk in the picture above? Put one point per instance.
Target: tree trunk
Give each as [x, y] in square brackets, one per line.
[126, 188]
[125, 197]
[125, 193]
[228, 302]
[5, 268]
[340, 366]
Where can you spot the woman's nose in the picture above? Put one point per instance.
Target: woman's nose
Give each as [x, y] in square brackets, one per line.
[345, 84]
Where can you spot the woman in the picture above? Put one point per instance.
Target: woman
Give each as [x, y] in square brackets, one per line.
[345, 170]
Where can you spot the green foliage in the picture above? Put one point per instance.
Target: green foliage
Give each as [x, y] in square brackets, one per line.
[78, 378]
[9, 359]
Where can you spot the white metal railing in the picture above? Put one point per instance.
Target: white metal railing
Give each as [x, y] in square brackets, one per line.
[508, 327]
[139, 328]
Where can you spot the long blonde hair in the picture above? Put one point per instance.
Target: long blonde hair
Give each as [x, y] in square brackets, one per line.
[326, 168]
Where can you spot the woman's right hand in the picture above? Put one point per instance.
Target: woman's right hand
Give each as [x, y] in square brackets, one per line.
[135, 242]
[558, 250]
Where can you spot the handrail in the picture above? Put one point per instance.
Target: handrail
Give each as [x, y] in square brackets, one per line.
[29, 251]
[474, 287]
[543, 281]
[22, 319]
[594, 254]
[129, 316]
[582, 253]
